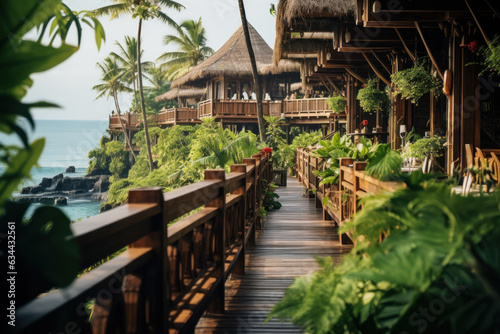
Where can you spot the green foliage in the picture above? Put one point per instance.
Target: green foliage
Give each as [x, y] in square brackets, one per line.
[426, 147]
[491, 56]
[118, 157]
[337, 104]
[436, 269]
[98, 160]
[415, 82]
[269, 196]
[289, 152]
[275, 136]
[384, 163]
[371, 99]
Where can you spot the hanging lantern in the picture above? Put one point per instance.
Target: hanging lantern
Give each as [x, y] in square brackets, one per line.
[377, 7]
[347, 37]
[447, 82]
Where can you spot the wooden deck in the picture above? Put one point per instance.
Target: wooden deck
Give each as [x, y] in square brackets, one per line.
[284, 248]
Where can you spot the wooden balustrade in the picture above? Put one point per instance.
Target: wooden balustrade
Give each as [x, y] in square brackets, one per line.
[169, 275]
[130, 121]
[306, 108]
[175, 116]
[232, 109]
[354, 183]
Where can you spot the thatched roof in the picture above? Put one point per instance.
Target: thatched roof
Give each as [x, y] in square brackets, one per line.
[300, 8]
[231, 59]
[174, 93]
[289, 11]
[284, 66]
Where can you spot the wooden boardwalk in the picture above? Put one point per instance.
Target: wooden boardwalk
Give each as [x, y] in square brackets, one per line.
[284, 248]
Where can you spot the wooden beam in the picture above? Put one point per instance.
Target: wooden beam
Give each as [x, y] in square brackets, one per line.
[377, 72]
[429, 52]
[381, 63]
[407, 49]
[477, 22]
[337, 89]
[356, 75]
[324, 83]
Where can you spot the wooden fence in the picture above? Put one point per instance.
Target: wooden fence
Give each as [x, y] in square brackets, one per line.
[178, 115]
[236, 109]
[130, 121]
[169, 275]
[343, 198]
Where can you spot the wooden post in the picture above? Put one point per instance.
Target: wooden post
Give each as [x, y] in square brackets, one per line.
[253, 200]
[156, 240]
[217, 305]
[239, 268]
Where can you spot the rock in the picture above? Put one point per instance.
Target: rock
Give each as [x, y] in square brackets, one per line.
[99, 171]
[26, 190]
[78, 183]
[105, 207]
[102, 184]
[58, 176]
[37, 190]
[46, 182]
[61, 201]
[70, 169]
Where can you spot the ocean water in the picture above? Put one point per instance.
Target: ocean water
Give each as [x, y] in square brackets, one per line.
[67, 143]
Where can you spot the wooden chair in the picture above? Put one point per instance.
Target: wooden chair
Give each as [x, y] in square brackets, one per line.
[469, 155]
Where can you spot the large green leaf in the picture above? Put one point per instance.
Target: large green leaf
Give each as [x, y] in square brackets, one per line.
[19, 17]
[384, 163]
[16, 65]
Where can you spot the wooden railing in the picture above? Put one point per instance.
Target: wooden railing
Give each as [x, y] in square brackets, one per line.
[306, 108]
[343, 198]
[169, 275]
[178, 115]
[237, 109]
[130, 121]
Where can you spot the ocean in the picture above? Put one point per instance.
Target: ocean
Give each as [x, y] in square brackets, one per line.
[67, 143]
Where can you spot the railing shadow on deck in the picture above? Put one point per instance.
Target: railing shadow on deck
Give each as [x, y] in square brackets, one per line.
[169, 275]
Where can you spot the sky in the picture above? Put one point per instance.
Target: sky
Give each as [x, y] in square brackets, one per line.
[70, 84]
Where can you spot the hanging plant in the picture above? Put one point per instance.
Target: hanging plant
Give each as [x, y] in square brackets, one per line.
[337, 104]
[491, 55]
[415, 82]
[371, 99]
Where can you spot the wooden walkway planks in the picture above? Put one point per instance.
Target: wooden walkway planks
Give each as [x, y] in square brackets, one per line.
[284, 249]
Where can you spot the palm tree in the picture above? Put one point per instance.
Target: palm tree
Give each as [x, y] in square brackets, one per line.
[111, 85]
[192, 49]
[157, 78]
[256, 79]
[144, 10]
[128, 59]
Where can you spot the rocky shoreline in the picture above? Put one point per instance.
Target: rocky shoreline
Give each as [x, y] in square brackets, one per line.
[58, 189]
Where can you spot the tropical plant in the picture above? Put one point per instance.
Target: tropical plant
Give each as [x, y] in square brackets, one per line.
[127, 58]
[143, 10]
[269, 196]
[111, 85]
[371, 99]
[61, 21]
[45, 254]
[255, 73]
[289, 152]
[426, 147]
[275, 136]
[436, 269]
[415, 82]
[491, 56]
[191, 49]
[337, 104]
[384, 163]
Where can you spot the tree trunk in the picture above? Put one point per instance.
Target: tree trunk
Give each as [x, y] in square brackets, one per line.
[256, 79]
[135, 93]
[141, 94]
[127, 138]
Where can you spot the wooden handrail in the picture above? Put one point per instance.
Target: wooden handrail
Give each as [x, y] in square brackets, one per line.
[169, 275]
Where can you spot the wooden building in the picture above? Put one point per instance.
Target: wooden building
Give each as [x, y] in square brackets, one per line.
[186, 112]
[342, 43]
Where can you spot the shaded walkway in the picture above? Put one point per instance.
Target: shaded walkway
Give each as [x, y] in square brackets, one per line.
[284, 249]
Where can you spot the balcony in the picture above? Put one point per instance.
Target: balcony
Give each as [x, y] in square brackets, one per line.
[234, 111]
[178, 116]
[130, 121]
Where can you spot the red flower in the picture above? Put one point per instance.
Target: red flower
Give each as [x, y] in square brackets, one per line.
[267, 150]
[364, 123]
[473, 46]
[363, 86]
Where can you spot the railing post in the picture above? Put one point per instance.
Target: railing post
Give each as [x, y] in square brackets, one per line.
[253, 198]
[158, 312]
[217, 305]
[258, 188]
[239, 268]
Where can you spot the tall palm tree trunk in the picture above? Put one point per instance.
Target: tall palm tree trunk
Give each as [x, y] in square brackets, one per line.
[135, 93]
[127, 138]
[141, 94]
[256, 79]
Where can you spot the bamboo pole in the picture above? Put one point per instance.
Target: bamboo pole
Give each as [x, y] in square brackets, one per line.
[407, 49]
[377, 72]
[429, 52]
[356, 75]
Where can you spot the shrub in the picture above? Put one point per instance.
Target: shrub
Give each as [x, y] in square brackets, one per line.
[337, 104]
[371, 99]
[415, 82]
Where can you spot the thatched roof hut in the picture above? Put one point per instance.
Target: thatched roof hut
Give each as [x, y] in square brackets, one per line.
[184, 92]
[232, 60]
[290, 11]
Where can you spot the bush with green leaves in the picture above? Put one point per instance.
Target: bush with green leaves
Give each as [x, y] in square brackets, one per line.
[287, 154]
[426, 147]
[436, 269]
[371, 99]
[491, 56]
[269, 196]
[415, 82]
[337, 104]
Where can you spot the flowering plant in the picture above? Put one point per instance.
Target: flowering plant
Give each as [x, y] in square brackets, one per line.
[365, 122]
[267, 150]
[474, 46]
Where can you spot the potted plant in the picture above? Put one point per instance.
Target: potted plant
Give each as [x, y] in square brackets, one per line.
[337, 104]
[491, 56]
[415, 82]
[371, 99]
